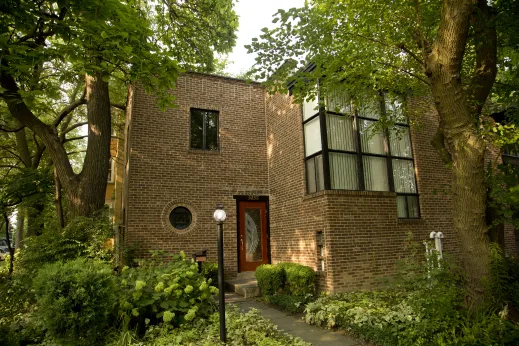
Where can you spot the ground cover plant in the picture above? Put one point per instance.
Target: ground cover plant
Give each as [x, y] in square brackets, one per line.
[424, 305]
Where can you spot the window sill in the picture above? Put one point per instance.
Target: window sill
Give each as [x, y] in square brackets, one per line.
[204, 152]
[350, 193]
[411, 221]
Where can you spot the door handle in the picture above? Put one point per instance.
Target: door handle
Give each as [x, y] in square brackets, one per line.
[241, 244]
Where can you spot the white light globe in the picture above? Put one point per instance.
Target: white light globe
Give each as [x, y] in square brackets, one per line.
[219, 215]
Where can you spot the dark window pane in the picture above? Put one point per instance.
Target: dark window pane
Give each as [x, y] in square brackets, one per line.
[211, 131]
[401, 207]
[314, 174]
[180, 218]
[413, 206]
[197, 129]
[310, 176]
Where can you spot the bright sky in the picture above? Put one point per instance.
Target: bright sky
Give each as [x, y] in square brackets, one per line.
[254, 15]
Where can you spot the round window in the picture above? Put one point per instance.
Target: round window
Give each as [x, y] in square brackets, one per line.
[180, 218]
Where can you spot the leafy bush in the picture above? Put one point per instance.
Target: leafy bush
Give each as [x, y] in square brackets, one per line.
[82, 237]
[210, 271]
[271, 278]
[171, 292]
[76, 300]
[293, 304]
[299, 279]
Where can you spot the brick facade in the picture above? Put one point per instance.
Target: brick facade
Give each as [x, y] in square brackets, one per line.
[262, 154]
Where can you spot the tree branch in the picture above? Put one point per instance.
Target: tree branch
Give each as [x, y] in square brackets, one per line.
[70, 108]
[75, 126]
[118, 106]
[408, 51]
[483, 21]
[74, 138]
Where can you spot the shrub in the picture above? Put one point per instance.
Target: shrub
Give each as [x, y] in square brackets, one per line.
[210, 272]
[171, 292]
[293, 304]
[299, 279]
[76, 300]
[271, 278]
[82, 237]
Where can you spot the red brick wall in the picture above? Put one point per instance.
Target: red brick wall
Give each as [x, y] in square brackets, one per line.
[163, 170]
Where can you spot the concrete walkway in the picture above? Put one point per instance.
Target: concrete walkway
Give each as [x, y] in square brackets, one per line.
[315, 335]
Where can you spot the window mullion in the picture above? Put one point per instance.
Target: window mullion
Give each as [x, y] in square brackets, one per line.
[360, 171]
[204, 131]
[324, 145]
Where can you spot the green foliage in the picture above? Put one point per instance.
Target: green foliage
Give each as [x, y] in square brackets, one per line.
[421, 307]
[503, 194]
[271, 278]
[299, 279]
[171, 292]
[82, 237]
[210, 272]
[242, 329]
[76, 300]
[287, 302]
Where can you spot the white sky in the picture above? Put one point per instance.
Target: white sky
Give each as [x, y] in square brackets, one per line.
[254, 15]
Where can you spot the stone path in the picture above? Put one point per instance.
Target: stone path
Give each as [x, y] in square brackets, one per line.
[293, 326]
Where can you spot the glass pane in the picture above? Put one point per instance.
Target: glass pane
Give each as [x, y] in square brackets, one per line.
[413, 206]
[197, 129]
[310, 108]
[370, 142]
[401, 207]
[320, 172]
[253, 241]
[338, 103]
[395, 110]
[180, 218]
[343, 171]
[400, 142]
[312, 137]
[370, 109]
[311, 185]
[403, 174]
[341, 135]
[375, 173]
[211, 130]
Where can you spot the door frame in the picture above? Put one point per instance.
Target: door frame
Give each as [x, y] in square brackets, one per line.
[245, 198]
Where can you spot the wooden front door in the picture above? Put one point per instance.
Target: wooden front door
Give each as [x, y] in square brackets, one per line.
[252, 242]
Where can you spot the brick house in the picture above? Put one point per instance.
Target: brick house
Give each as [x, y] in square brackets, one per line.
[342, 203]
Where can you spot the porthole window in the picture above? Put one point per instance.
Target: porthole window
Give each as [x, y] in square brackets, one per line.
[180, 218]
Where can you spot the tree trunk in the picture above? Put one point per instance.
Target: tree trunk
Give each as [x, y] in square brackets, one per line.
[464, 144]
[57, 201]
[20, 220]
[91, 188]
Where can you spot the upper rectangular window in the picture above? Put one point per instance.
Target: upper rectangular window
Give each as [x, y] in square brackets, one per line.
[204, 129]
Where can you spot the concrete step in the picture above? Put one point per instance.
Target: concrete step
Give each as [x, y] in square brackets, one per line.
[245, 285]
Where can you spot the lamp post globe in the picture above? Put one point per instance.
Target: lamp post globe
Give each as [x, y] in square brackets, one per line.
[219, 215]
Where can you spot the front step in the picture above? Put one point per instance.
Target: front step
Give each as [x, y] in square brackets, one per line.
[245, 285]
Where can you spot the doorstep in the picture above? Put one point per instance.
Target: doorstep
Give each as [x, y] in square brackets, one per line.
[245, 285]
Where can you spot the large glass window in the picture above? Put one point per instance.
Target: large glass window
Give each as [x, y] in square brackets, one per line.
[204, 129]
[355, 154]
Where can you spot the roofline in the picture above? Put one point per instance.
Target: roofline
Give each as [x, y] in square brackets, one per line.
[225, 77]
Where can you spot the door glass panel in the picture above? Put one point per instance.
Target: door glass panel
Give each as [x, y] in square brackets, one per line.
[253, 244]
